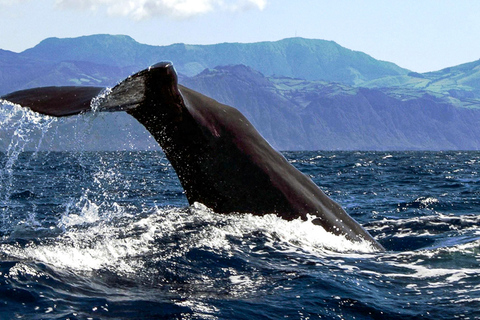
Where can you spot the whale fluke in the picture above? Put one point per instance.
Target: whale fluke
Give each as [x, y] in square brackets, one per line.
[220, 158]
[55, 101]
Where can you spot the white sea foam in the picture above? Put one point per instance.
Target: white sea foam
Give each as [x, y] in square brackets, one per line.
[87, 249]
[88, 243]
[297, 234]
[412, 267]
[89, 213]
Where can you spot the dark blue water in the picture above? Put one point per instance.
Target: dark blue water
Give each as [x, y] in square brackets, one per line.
[110, 236]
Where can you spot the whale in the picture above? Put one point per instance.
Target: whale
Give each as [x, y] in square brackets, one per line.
[221, 160]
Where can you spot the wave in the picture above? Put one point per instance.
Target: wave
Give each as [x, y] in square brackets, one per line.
[119, 244]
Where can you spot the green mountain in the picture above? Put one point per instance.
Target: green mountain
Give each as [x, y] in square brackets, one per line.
[19, 71]
[300, 94]
[295, 57]
[296, 114]
[460, 82]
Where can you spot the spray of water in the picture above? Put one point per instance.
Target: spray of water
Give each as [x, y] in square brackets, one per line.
[20, 128]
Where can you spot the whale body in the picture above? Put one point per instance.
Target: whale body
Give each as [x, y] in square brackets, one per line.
[220, 158]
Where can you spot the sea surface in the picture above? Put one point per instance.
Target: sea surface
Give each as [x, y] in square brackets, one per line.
[110, 235]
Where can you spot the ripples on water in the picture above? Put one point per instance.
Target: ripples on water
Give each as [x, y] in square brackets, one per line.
[111, 236]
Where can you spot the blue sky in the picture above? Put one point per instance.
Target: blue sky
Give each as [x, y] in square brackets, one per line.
[421, 35]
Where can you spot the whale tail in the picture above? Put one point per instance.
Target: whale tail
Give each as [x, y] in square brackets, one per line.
[55, 101]
[72, 100]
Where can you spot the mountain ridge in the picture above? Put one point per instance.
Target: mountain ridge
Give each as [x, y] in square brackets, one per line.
[292, 116]
[462, 81]
[344, 108]
[311, 59]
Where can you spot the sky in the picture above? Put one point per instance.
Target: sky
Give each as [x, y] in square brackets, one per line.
[420, 35]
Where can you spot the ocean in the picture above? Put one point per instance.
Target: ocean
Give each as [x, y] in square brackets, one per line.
[110, 235]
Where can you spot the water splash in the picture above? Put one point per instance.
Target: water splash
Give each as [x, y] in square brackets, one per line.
[24, 134]
[20, 127]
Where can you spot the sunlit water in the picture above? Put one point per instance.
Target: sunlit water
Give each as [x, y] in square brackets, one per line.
[109, 235]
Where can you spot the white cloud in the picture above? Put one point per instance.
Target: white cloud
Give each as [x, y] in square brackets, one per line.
[141, 9]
